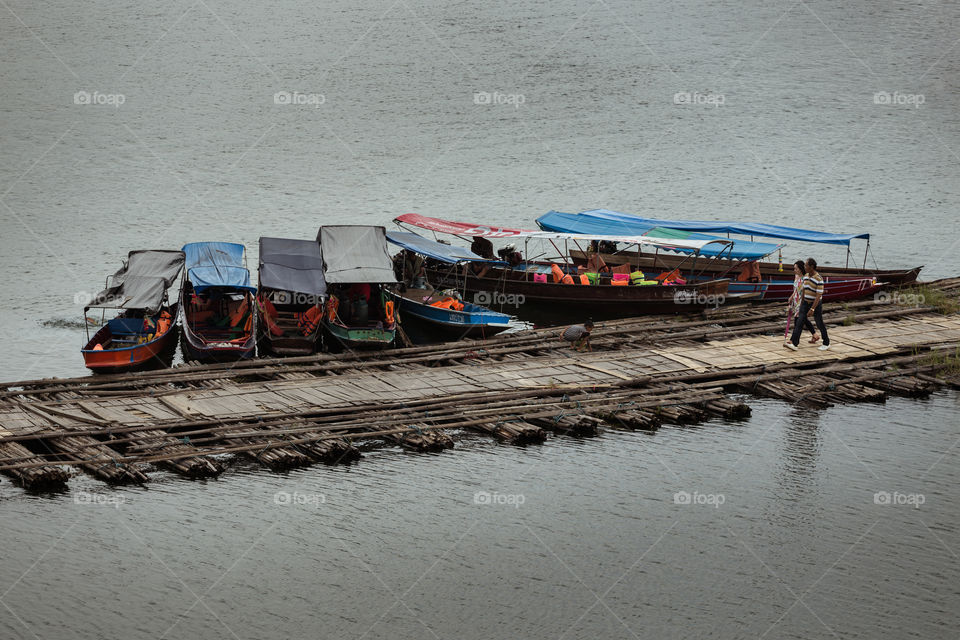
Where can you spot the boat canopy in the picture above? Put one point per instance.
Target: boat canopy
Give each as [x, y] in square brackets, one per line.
[216, 264]
[469, 229]
[436, 250]
[579, 223]
[617, 220]
[355, 254]
[292, 265]
[141, 282]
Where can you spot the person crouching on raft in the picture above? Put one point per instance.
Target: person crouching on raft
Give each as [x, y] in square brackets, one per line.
[578, 335]
[793, 306]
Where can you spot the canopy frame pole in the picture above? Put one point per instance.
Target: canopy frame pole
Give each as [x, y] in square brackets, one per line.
[526, 253]
[847, 263]
[865, 253]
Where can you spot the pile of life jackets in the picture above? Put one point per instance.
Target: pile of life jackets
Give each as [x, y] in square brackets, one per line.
[566, 278]
[445, 303]
[151, 330]
[309, 320]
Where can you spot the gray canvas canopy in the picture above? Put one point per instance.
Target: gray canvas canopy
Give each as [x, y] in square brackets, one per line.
[355, 254]
[142, 282]
[292, 265]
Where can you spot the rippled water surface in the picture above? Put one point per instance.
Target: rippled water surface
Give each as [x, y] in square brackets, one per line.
[841, 116]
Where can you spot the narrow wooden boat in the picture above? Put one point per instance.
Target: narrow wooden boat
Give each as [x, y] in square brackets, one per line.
[219, 312]
[358, 313]
[471, 321]
[442, 311]
[723, 268]
[603, 221]
[142, 335]
[527, 288]
[514, 291]
[290, 296]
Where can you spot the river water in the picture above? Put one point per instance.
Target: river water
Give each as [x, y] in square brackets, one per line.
[126, 126]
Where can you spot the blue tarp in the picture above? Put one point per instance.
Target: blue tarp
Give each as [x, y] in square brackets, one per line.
[216, 264]
[436, 250]
[590, 225]
[742, 228]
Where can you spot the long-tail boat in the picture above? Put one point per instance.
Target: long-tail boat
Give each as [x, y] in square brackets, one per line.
[142, 334]
[359, 313]
[559, 286]
[603, 222]
[217, 303]
[290, 295]
[444, 311]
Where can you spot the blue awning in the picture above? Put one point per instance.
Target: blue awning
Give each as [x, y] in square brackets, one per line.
[589, 225]
[432, 249]
[216, 264]
[742, 228]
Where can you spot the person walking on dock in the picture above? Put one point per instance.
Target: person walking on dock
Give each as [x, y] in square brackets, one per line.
[810, 307]
[578, 335]
[793, 306]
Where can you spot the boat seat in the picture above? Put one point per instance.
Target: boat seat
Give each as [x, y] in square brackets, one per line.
[126, 326]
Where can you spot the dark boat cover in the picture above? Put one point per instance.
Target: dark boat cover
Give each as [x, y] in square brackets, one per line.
[355, 254]
[292, 265]
[141, 282]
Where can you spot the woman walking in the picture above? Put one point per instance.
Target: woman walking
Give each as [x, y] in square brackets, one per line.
[810, 307]
[793, 306]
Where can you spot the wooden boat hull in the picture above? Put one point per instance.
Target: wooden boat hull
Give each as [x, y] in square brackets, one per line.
[196, 346]
[507, 290]
[360, 337]
[473, 321]
[720, 268]
[780, 290]
[157, 353]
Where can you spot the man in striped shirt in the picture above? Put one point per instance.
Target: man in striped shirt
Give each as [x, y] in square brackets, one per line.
[810, 307]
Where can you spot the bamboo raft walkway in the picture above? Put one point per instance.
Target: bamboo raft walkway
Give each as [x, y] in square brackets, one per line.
[517, 388]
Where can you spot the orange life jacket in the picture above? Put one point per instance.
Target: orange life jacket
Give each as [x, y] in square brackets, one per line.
[567, 279]
[584, 279]
[237, 316]
[388, 311]
[557, 273]
[310, 320]
[267, 312]
[448, 303]
[332, 305]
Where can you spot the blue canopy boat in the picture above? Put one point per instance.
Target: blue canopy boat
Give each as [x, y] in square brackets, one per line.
[442, 309]
[604, 222]
[217, 303]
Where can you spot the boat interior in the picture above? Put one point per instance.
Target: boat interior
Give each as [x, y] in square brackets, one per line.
[219, 316]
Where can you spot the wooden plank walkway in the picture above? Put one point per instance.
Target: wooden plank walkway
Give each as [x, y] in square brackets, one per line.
[558, 369]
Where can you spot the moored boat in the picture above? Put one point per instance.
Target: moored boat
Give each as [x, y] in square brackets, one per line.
[559, 287]
[603, 221]
[142, 335]
[443, 310]
[217, 303]
[359, 313]
[290, 295]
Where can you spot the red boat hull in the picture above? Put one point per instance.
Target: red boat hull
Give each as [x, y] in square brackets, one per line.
[155, 353]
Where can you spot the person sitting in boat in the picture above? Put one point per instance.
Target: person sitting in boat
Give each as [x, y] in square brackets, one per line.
[482, 247]
[607, 246]
[578, 335]
[510, 255]
[414, 272]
